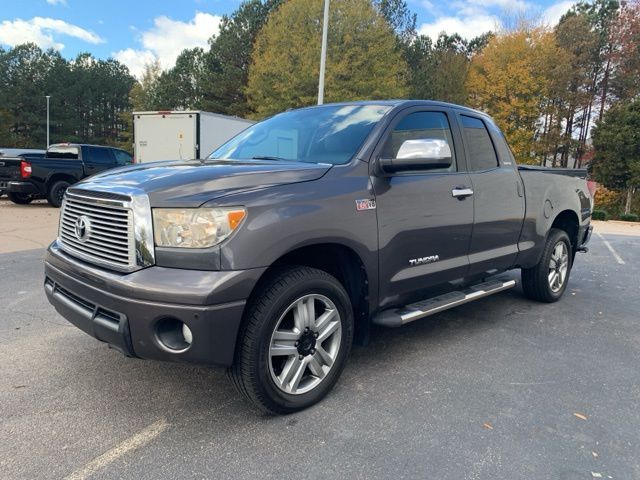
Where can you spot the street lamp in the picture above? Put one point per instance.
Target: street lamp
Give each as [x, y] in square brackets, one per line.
[48, 97]
[323, 52]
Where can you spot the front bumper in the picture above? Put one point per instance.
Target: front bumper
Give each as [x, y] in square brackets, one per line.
[22, 187]
[123, 310]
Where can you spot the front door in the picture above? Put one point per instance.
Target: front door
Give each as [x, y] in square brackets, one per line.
[424, 225]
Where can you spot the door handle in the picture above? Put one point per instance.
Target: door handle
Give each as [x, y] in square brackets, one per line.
[461, 192]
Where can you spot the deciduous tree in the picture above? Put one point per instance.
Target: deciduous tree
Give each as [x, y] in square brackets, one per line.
[511, 79]
[363, 58]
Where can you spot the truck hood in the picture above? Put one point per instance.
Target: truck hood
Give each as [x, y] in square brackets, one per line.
[192, 183]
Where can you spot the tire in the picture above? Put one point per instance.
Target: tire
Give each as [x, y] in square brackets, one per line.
[20, 198]
[271, 381]
[56, 193]
[547, 281]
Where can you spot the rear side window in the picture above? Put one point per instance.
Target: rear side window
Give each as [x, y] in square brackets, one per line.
[420, 126]
[122, 158]
[504, 152]
[100, 155]
[482, 155]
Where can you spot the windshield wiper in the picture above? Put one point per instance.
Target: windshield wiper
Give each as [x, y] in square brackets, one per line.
[267, 157]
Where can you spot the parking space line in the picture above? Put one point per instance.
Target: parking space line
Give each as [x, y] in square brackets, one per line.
[132, 443]
[611, 249]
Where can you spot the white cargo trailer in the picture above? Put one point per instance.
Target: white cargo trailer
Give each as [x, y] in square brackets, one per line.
[182, 135]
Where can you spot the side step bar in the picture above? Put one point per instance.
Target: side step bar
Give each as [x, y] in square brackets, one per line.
[430, 306]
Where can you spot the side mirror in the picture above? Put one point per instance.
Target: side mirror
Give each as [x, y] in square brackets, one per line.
[420, 154]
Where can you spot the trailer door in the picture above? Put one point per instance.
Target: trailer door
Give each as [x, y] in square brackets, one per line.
[165, 136]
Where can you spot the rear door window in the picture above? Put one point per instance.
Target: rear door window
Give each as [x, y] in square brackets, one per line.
[480, 150]
[101, 156]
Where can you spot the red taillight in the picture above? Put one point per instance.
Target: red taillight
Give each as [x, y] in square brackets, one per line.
[592, 186]
[25, 169]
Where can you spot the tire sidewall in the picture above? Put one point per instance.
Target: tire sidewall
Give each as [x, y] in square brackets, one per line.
[556, 237]
[313, 284]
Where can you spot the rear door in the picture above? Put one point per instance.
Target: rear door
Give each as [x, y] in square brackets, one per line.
[498, 197]
[424, 230]
[98, 159]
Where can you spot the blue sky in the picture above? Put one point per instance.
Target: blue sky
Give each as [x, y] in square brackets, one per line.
[137, 31]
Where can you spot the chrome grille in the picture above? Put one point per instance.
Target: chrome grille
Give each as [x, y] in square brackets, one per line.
[97, 230]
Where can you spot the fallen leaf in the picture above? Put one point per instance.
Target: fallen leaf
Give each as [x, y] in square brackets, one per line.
[595, 454]
[488, 426]
[580, 416]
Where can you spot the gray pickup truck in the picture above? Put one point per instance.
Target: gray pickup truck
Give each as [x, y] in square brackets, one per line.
[281, 250]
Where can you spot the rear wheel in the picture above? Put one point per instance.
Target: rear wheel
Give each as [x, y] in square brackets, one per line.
[295, 341]
[547, 281]
[20, 198]
[56, 193]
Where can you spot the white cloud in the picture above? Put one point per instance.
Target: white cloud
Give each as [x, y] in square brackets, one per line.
[504, 4]
[475, 17]
[551, 16]
[167, 39]
[58, 2]
[467, 27]
[41, 31]
[136, 60]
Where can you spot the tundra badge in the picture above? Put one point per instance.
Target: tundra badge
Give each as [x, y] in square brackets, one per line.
[414, 262]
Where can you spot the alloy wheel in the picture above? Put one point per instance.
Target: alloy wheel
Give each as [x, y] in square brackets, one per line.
[305, 344]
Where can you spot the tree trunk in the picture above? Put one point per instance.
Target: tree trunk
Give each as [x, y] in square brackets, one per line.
[605, 83]
[627, 206]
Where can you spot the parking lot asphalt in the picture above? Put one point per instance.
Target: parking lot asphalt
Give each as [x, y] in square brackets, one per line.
[502, 388]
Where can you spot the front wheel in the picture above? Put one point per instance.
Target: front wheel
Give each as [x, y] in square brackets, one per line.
[20, 198]
[295, 340]
[547, 281]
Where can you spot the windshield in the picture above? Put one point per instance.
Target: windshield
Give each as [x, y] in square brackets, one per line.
[328, 134]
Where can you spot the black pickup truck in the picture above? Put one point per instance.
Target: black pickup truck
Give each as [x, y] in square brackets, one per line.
[283, 248]
[26, 177]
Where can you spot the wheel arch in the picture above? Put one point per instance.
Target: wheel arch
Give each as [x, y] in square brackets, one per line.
[340, 261]
[567, 220]
[56, 177]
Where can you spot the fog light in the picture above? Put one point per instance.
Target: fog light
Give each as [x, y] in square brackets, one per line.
[173, 335]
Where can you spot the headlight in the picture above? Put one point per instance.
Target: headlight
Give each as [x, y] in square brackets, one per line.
[194, 227]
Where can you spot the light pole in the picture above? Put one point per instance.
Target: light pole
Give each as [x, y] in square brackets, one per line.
[323, 52]
[48, 97]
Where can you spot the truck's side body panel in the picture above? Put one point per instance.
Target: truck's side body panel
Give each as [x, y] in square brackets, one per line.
[547, 195]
